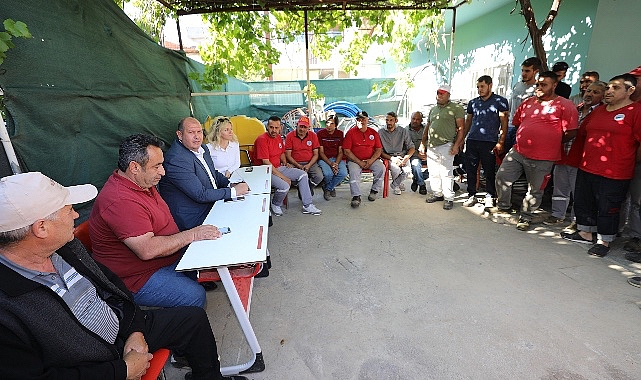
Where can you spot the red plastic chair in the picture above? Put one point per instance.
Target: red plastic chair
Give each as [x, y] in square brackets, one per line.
[157, 363]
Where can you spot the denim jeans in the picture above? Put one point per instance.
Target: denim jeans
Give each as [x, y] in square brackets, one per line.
[417, 171]
[168, 288]
[331, 179]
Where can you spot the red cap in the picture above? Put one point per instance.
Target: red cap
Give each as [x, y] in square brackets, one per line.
[636, 72]
[304, 120]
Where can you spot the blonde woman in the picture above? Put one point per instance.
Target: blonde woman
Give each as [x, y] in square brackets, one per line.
[223, 146]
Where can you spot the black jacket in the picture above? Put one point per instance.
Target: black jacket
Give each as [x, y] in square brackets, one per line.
[40, 338]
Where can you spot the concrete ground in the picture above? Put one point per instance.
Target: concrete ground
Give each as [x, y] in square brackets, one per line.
[402, 289]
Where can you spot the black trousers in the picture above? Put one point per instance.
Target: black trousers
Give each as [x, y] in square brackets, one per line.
[598, 202]
[480, 151]
[187, 330]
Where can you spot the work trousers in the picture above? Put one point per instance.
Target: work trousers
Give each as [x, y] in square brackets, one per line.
[282, 188]
[597, 203]
[355, 173]
[513, 166]
[439, 164]
[564, 181]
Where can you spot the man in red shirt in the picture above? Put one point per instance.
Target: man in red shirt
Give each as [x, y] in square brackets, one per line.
[270, 150]
[543, 123]
[301, 151]
[133, 233]
[605, 151]
[362, 147]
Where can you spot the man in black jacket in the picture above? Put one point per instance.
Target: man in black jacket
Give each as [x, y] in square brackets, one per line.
[62, 315]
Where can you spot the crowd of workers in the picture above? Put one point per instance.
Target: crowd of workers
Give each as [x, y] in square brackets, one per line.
[154, 205]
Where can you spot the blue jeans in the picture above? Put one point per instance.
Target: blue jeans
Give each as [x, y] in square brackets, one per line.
[168, 288]
[331, 179]
[417, 171]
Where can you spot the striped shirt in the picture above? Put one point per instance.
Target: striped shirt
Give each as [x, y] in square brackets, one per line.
[77, 292]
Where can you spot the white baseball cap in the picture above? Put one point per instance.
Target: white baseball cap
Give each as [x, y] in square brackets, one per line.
[27, 197]
[445, 87]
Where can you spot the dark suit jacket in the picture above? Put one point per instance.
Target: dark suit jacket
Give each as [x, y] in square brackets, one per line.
[186, 187]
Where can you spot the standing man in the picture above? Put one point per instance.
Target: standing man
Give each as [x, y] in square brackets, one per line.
[191, 184]
[486, 130]
[562, 89]
[587, 78]
[134, 235]
[521, 91]
[398, 148]
[443, 137]
[63, 316]
[416, 130]
[301, 151]
[544, 122]
[564, 175]
[362, 147]
[270, 150]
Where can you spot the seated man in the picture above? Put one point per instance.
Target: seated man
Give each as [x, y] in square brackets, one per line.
[270, 150]
[191, 184]
[398, 148]
[416, 130]
[134, 235]
[362, 147]
[88, 327]
[301, 151]
[331, 156]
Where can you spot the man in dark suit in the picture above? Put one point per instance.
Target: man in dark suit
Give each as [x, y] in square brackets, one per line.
[191, 185]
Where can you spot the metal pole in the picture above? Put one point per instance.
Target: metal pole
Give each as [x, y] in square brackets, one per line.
[180, 37]
[309, 98]
[452, 46]
[8, 147]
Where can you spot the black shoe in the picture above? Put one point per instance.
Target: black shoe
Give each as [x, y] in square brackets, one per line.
[635, 281]
[433, 198]
[633, 256]
[332, 193]
[523, 225]
[209, 285]
[372, 196]
[448, 205]
[576, 237]
[356, 201]
[633, 245]
[189, 376]
[326, 195]
[414, 186]
[422, 190]
[264, 272]
[599, 250]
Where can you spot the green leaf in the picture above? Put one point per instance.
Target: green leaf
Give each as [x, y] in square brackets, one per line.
[16, 28]
[5, 42]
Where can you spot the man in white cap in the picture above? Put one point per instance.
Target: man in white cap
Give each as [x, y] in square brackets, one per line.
[442, 140]
[64, 316]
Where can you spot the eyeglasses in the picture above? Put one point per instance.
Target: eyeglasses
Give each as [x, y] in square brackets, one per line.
[220, 120]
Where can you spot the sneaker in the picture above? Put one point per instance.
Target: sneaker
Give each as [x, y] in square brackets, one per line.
[372, 196]
[489, 202]
[576, 237]
[633, 256]
[571, 227]
[332, 193]
[552, 220]
[633, 245]
[635, 281]
[402, 187]
[311, 209]
[523, 225]
[434, 198]
[356, 201]
[414, 186]
[397, 190]
[599, 250]
[448, 205]
[326, 194]
[422, 190]
[276, 210]
[469, 202]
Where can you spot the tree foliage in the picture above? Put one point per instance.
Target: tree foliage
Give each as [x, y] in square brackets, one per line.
[11, 29]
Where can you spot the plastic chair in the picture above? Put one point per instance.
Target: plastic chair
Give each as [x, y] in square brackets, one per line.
[247, 129]
[156, 368]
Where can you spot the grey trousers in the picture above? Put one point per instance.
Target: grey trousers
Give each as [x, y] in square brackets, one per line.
[355, 172]
[564, 181]
[314, 173]
[282, 187]
[399, 173]
[514, 164]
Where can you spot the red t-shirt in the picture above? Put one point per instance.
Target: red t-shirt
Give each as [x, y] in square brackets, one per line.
[302, 149]
[266, 147]
[541, 127]
[607, 142]
[362, 144]
[123, 210]
[330, 143]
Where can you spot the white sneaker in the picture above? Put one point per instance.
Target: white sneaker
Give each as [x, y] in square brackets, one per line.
[396, 190]
[489, 202]
[471, 201]
[311, 209]
[402, 187]
[276, 210]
